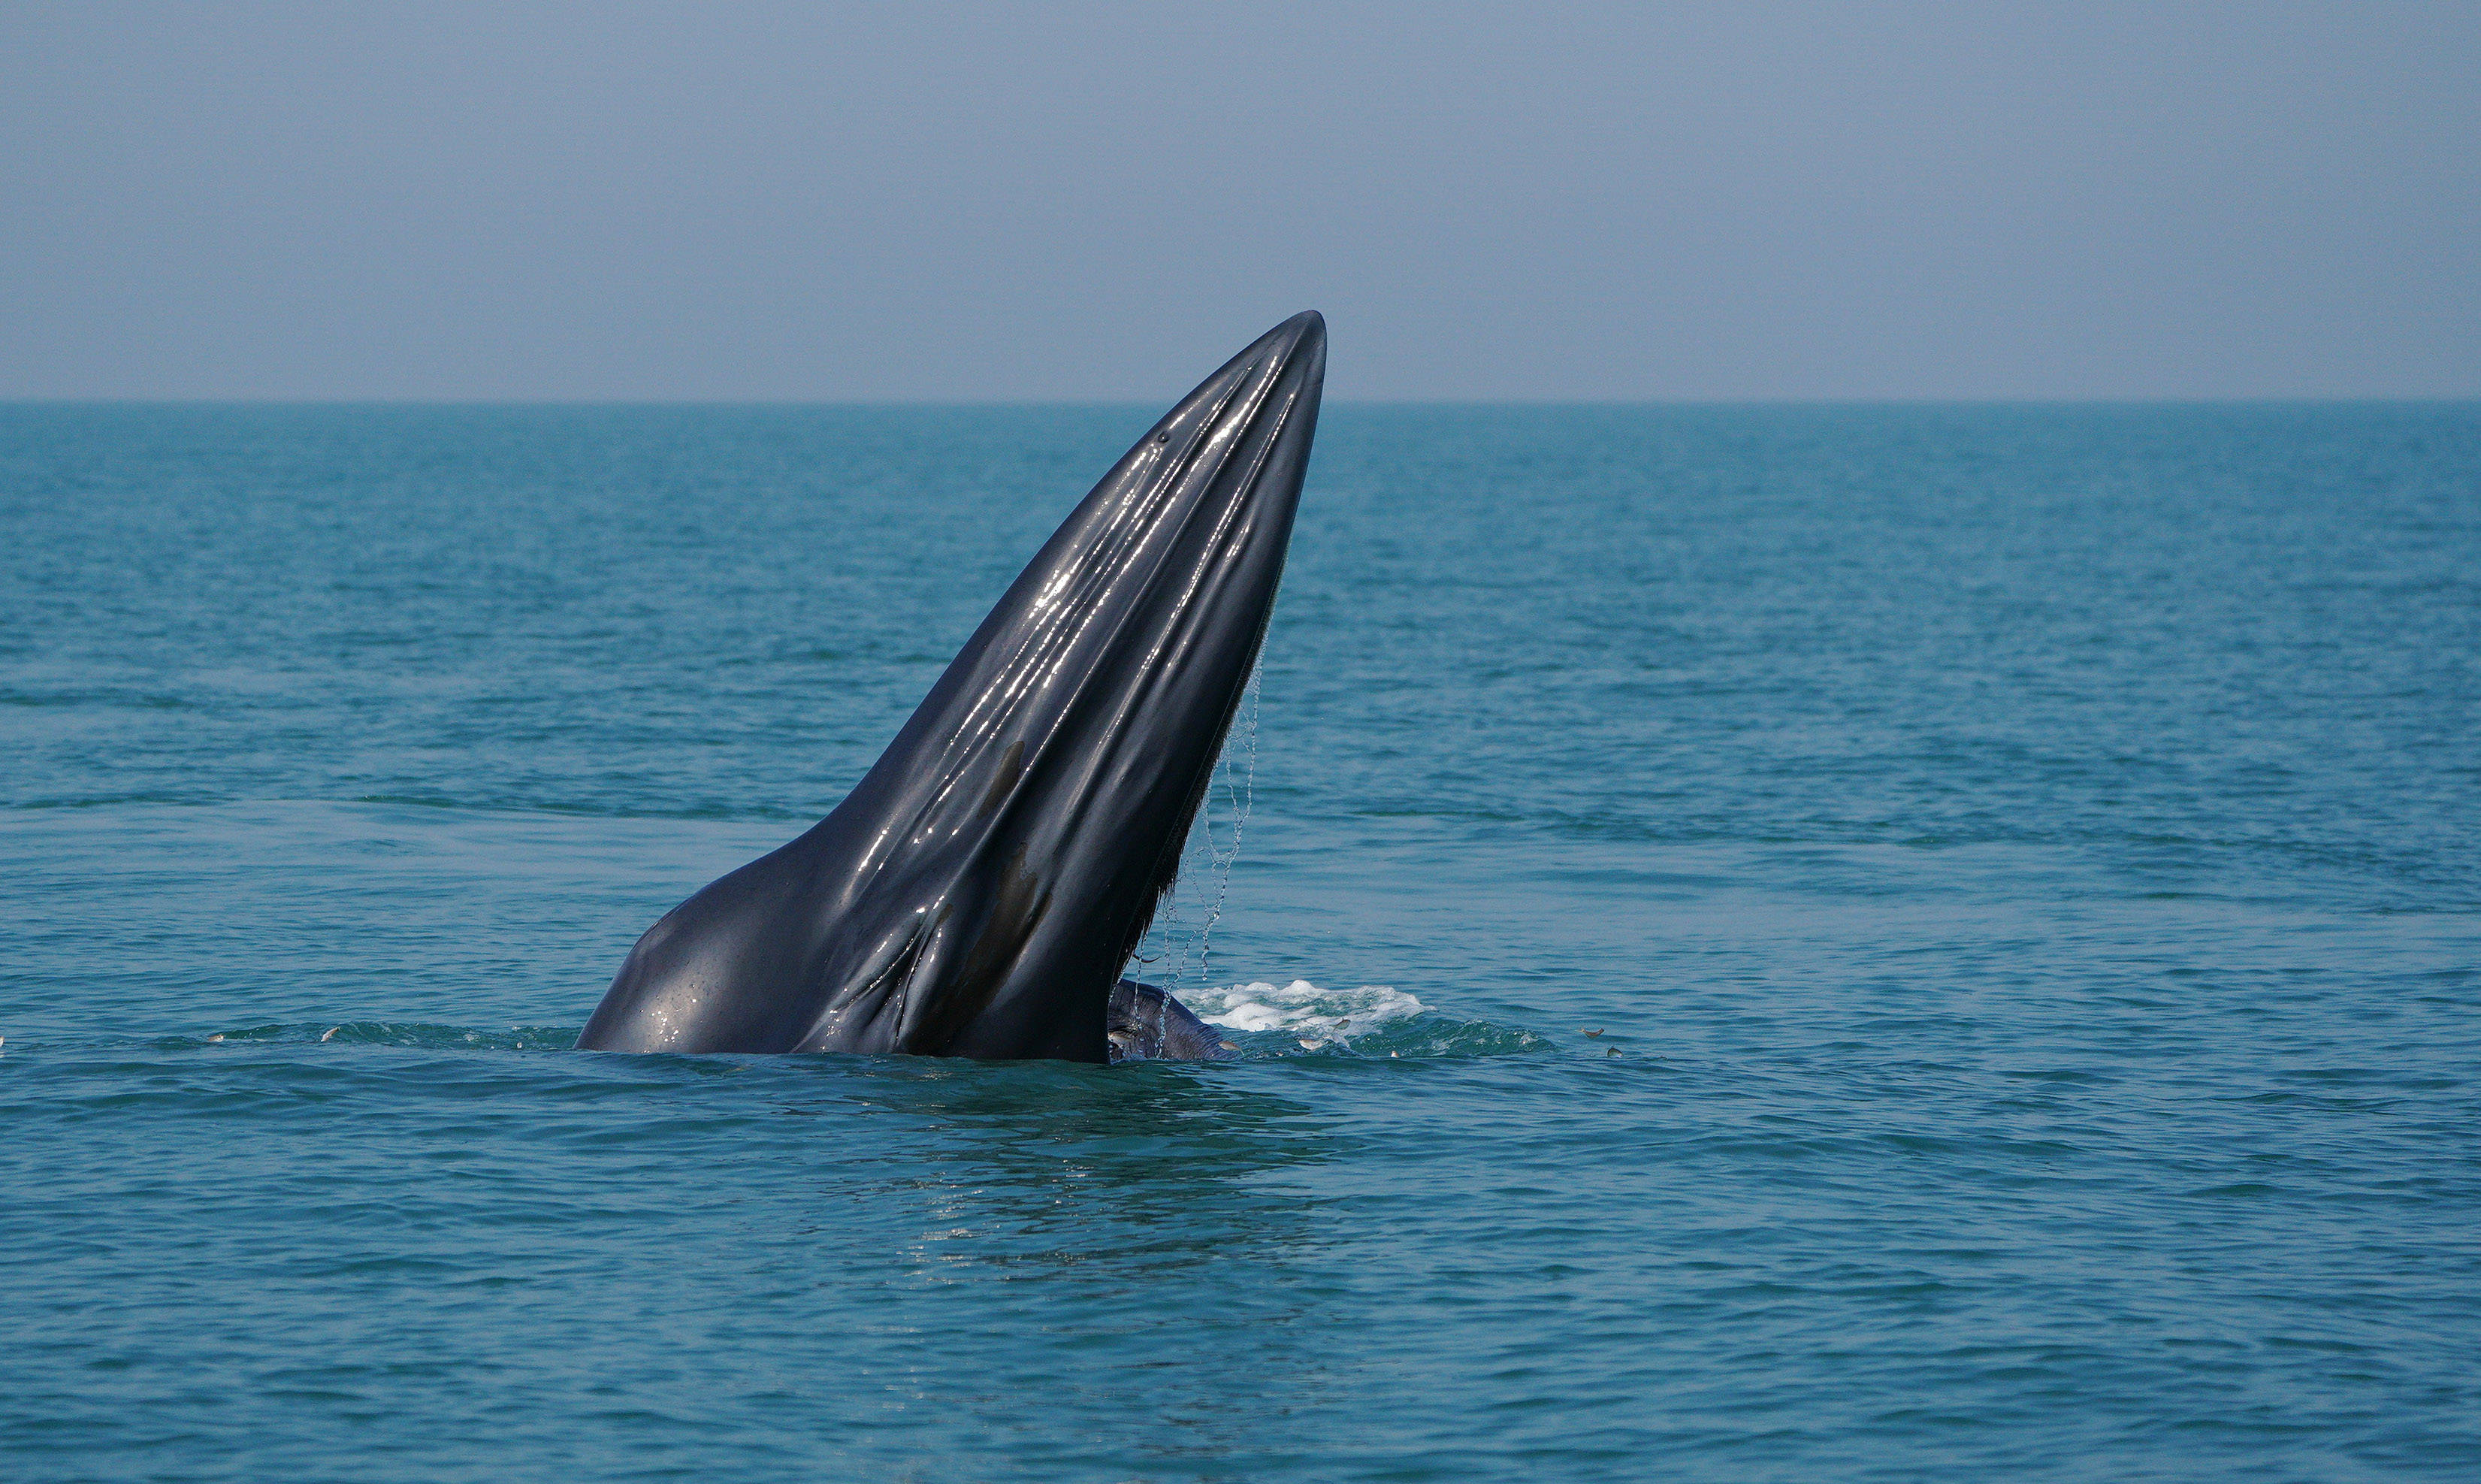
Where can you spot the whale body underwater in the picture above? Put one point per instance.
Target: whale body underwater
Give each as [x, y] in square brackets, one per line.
[981, 889]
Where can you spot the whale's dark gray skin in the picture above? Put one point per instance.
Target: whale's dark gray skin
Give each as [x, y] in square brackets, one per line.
[1146, 1024]
[979, 890]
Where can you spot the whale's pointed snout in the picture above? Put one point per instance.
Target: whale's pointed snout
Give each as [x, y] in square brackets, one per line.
[1296, 350]
[1304, 334]
[1286, 359]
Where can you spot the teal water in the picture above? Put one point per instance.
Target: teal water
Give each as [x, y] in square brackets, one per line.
[2024, 864]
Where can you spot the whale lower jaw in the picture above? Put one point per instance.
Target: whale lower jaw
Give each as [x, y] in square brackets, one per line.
[1146, 1024]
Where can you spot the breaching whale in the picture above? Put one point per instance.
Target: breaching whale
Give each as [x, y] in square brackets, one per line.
[981, 889]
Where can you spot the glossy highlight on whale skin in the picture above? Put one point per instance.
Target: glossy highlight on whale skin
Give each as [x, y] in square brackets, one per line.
[978, 892]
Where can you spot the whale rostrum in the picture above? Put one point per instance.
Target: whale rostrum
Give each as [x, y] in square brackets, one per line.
[979, 891]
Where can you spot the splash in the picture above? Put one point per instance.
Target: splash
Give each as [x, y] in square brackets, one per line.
[1302, 1007]
[1300, 1019]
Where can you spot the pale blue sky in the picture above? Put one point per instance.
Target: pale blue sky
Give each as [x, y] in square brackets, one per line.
[917, 202]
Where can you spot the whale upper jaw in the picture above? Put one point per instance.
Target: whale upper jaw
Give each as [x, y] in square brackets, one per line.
[981, 889]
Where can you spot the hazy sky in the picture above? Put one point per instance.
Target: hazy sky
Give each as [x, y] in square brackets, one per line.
[910, 201]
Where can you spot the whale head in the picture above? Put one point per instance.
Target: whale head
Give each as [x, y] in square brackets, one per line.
[979, 890]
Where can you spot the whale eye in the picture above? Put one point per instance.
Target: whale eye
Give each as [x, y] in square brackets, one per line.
[1163, 437]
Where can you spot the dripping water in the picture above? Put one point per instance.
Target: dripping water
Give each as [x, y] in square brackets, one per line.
[1205, 876]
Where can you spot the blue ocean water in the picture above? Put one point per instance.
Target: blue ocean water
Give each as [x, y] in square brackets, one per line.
[1772, 944]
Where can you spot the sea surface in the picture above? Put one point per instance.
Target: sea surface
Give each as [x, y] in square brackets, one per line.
[1771, 943]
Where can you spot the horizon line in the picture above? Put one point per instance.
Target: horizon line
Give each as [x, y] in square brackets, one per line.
[2114, 399]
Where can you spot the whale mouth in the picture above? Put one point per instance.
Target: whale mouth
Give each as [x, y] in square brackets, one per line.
[1070, 743]
[979, 890]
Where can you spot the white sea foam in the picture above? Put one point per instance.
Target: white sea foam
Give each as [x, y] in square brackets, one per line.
[1317, 1016]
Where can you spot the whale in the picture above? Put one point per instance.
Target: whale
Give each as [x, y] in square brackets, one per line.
[980, 892]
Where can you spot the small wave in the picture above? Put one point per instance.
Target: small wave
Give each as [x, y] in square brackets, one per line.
[1264, 1021]
[406, 1033]
[1372, 1019]
[1301, 1007]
